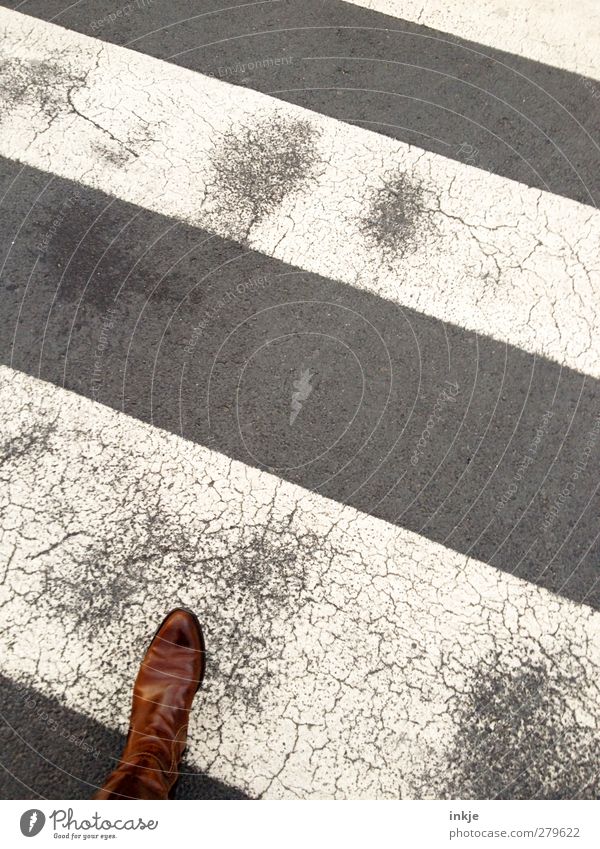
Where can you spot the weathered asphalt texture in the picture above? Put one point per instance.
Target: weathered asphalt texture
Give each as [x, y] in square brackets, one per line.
[457, 437]
[500, 112]
[321, 383]
[346, 657]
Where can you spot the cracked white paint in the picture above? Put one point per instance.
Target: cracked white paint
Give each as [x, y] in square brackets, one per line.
[336, 641]
[517, 264]
[566, 35]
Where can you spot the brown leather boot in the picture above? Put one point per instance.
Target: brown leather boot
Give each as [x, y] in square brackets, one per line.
[164, 689]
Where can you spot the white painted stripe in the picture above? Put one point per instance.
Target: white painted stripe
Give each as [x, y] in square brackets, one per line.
[566, 35]
[344, 654]
[462, 245]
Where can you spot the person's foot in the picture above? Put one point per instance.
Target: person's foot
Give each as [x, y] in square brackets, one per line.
[164, 689]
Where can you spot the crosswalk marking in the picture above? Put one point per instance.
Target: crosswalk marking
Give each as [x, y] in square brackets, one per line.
[169, 324]
[545, 32]
[347, 658]
[390, 75]
[486, 253]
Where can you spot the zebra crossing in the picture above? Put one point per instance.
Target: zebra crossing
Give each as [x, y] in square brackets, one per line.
[514, 28]
[331, 380]
[337, 213]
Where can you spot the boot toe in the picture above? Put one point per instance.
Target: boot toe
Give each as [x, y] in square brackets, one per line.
[178, 646]
[181, 628]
